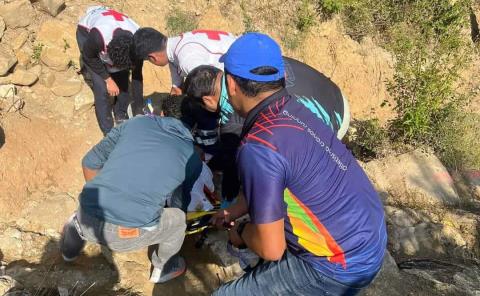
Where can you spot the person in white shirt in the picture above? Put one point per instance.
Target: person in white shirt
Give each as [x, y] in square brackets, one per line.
[183, 53]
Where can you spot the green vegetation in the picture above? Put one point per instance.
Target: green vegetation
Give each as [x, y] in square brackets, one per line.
[306, 16]
[430, 49]
[367, 139]
[180, 21]
[330, 7]
[37, 52]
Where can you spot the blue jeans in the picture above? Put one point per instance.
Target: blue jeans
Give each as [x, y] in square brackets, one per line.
[288, 276]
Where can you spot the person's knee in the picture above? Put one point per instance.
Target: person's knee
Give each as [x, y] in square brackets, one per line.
[177, 218]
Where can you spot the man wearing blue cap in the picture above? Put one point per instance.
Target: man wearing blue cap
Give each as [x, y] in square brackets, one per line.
[315, 218]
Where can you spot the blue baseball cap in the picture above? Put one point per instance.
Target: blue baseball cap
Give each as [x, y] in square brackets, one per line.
[251, 51]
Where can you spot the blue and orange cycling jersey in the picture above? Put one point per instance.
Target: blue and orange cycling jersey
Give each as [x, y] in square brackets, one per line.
[293, 167]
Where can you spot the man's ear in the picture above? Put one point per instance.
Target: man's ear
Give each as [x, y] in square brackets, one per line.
[231, 86]
[210, 103]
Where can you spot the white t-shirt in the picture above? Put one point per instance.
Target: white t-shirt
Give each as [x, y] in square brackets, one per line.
[199, 201]
[196, 48]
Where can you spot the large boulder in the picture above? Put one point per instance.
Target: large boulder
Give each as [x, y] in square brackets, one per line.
[416, 180]
[66, 86]
[53, 7]
[7, 60]
[54, 58]
[24, 77]
[446, 234]
[64, 39]
[17, 14]
[460, 278]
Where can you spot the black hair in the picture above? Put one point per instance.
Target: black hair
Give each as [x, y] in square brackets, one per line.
[200, 82]
[172, 106]
[119, 50]
[252, 88]
[148, 40]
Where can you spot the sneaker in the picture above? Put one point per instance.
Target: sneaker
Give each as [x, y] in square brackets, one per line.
[69, 221]
[68, 260]
[174, 267]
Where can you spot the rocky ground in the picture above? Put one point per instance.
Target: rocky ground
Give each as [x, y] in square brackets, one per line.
[47, 123]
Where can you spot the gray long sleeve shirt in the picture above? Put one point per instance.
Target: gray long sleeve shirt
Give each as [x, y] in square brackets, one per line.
[141, 162]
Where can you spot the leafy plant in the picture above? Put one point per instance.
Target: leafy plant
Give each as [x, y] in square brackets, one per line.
[367, 139]
[305, 16]
[37, 52]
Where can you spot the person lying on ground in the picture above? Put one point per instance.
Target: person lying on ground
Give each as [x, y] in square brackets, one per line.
[315, 218]
[105, 40]
[130, 175]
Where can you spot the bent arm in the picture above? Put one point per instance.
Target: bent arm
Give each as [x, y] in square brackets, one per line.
[266, 240]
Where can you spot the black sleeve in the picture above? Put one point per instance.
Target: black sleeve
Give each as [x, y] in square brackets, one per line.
[92, 47]
[137, 86]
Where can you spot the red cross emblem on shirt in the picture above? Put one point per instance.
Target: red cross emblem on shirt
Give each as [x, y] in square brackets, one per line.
[212, 35]
[116, 15]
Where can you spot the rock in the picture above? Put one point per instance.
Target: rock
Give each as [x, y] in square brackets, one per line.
[416, 180]
[51, 212]
[2, 27]
[383, 281]
[23, 77]
[84, 99]
[10, 242]
[24, 56]
[53, 7]
[5, 80]
[452, 279]
[64, 39]
[20, 40]
[47, 79]
[7, 60]
[8, 284]
[7, 91]
[66, 87]
[17, 14]
[37, 70]
[450, 234]
[55, 58]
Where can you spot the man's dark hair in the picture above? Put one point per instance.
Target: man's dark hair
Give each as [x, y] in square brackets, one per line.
[200, 82]
[172, 106]
[148, 40]
[119, 50]
[252, 88]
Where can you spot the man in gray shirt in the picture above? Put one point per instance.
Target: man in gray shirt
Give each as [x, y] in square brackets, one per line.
[130, 174]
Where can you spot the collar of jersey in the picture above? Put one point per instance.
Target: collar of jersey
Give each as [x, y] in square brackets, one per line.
[253, 114]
